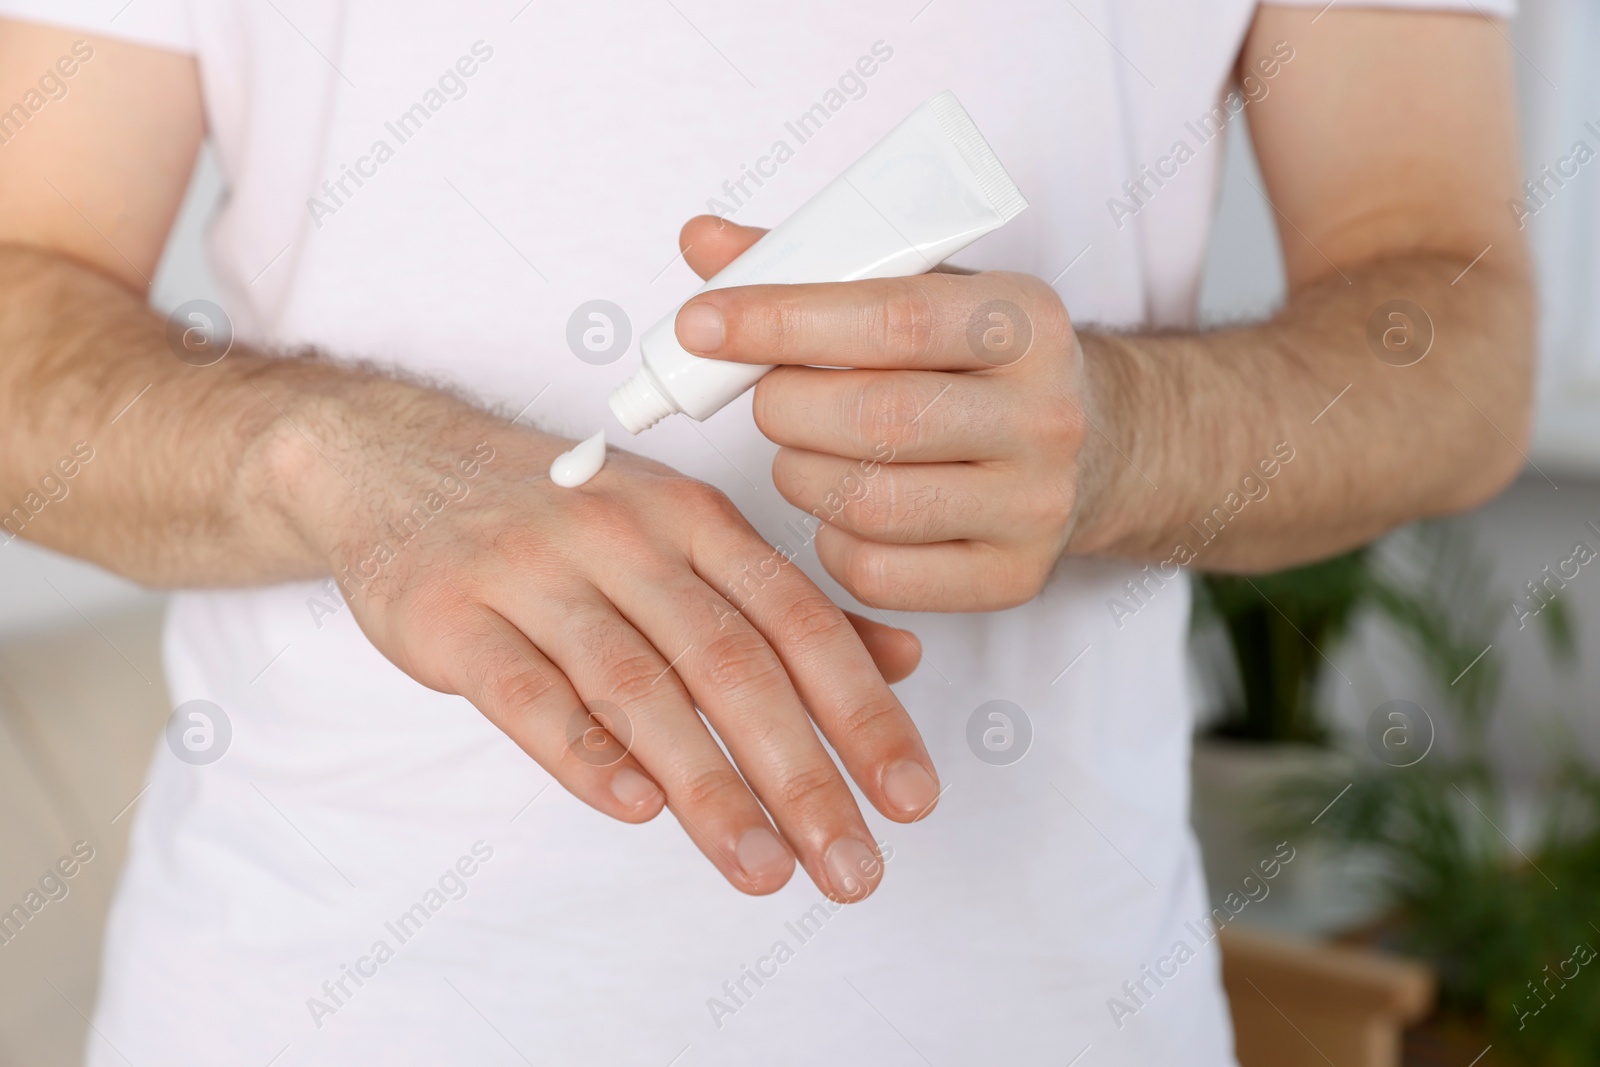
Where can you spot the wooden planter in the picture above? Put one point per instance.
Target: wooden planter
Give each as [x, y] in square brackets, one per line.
[1300, 1003]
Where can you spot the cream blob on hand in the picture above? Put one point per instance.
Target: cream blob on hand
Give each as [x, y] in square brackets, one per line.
[931, 187]
[582, 462]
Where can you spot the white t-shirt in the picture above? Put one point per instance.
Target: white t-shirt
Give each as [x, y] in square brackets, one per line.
[372, 873]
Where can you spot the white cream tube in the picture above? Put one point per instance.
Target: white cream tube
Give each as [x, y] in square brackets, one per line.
[931, 187]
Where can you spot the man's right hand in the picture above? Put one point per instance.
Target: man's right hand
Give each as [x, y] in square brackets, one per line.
[639, 596]
[533, 602]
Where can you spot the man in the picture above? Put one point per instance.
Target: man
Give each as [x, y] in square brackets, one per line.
[429, 198]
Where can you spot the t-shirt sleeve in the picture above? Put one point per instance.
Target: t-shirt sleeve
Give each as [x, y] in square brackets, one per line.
[1502, 9]
[159, 23]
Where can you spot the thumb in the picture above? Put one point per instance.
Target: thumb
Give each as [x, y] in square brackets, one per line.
[710, 243]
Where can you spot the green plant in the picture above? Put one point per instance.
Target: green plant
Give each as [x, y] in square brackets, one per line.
[1512, 934]
[1505, 926]
[1279, 628]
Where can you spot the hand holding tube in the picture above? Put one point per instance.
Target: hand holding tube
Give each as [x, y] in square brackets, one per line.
[966, 394]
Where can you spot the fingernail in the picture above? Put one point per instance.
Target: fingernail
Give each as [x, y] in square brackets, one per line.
[909, 787]
[850, 864]
[762, 856]
[632, 789]
[700, 328]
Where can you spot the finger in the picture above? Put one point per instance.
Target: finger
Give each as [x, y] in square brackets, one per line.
[907, 416]
[830, 669]
[926, 322]
[897, 652]
[709, 243]
[956, 575]
[614, 667]
[492, 664]
[741, 687]
[900, 503]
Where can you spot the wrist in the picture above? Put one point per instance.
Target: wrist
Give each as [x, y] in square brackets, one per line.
[1105, 462]
[352, 455]
[305, 485]
[344, 447]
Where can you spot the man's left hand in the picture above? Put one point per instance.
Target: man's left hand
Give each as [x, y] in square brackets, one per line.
[943, 457]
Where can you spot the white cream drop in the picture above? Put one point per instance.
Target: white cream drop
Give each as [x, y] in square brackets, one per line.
[572, 468]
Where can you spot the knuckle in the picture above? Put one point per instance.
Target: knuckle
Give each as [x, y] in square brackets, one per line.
[812, 620]
[516, 693]
[866, 572]
[1024, 286]
[1067, 415]
[907, 321]
[632, 676]
[739, 660]
[1042, 307]
[882, 575]
[876, 718]
[885, 411]
[709, 787]
[873, 514]
[775, 325]
[807, 789]
[1063, 425]
[916, 514]
[1017, 580]
[1039, 509]
[701, 497]
[1051, 322]
[926, 512]
[1056, 504]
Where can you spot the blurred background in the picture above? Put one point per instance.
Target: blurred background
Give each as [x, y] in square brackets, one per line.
[1416, 720]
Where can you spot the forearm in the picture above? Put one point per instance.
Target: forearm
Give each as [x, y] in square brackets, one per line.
[1186, 426]
[211, 475]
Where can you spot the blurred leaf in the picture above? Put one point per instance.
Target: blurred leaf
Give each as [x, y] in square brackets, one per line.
[1488, 915]
[1281, 628]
